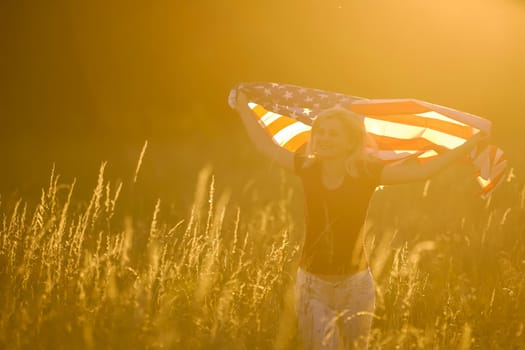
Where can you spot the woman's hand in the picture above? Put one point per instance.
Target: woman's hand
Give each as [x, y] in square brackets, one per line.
[241, 100]
[261, 139]
[232, 98]
[237, 99]
[407, 172]
[481, 140]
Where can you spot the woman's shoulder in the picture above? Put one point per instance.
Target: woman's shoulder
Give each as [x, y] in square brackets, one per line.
[303, 162]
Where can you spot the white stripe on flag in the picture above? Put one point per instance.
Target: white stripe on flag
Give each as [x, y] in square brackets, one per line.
[443, 139]
[270, 117]
[469, 119]
[392, 129]
[286, 134]
[408, 132]
[428, 154]
[438, 116]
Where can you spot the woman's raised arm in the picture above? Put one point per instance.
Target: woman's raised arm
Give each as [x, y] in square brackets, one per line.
[409, 172]
[259, 137]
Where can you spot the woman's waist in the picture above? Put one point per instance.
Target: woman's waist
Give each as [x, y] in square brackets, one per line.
[328, 281]
[333, 263]
[332, 271]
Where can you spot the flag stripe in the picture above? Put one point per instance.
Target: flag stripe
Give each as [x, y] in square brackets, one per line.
[455, 129]
[443, 139]
[388, 143]
[439, 116]
[279, 124]
[258, 109]
[269, 117]
[297, 141]
[287, 133]
[401, 128]
[403, 131]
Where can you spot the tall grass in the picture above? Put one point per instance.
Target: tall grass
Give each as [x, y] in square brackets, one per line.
[84, 276]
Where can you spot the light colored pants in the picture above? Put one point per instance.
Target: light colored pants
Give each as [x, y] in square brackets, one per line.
[334, 315]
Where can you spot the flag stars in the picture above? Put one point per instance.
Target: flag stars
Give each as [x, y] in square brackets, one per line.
[267, 92]
[288, 95]
[307, 111]
[308, 99]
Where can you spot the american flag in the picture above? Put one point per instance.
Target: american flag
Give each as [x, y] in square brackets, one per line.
[400, 128]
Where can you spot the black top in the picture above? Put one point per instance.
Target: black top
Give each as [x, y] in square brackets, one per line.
[334, 218]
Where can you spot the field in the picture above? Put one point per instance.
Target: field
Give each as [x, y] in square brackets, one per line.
[196, 244]
[449, 268]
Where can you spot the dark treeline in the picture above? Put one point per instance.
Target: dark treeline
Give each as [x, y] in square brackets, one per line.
[86, 82]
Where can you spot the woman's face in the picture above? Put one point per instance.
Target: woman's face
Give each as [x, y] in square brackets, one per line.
[330, 139]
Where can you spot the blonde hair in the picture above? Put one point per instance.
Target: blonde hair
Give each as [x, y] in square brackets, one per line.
[364, 148]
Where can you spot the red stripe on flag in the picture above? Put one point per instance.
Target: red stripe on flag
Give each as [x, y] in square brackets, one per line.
[297, 141]
[463, 131]
[279, 124]
[415, 144]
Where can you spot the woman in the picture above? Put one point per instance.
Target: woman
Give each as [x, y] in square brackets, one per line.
[335, 297]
